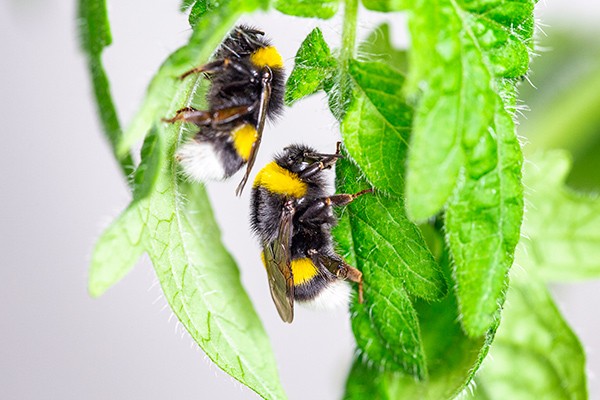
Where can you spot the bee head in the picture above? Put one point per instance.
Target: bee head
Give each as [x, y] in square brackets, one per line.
[298, 158]
[245, 40]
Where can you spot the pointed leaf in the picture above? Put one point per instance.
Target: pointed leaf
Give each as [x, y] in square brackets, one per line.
[313, 65]
[117, 250]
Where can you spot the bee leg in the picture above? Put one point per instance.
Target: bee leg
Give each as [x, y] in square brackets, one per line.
[354, 275]
[219, 66]
[327, 161]
[213, 118]
[189, 114]
[320, 207]
[337, 266]
[344, 199]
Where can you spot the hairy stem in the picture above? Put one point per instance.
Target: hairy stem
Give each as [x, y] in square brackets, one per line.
[349, 33]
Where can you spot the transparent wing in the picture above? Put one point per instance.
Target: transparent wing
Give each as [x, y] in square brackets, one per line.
[277, 258]
[265, 97]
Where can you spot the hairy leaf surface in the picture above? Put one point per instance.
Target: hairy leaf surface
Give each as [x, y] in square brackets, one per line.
[376, 124]
[313, 65]
[395, 261]
[466, 66]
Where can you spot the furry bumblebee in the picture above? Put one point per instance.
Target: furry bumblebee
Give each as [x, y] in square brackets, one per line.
[247, 87]
[292, 216]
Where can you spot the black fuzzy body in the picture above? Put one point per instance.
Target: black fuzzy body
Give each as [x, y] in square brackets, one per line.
[309, 235]
[238, 46]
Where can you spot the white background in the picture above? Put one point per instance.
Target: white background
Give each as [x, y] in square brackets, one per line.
[59, 187]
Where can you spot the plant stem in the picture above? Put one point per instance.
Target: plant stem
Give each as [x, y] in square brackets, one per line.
[349, 33]
[347, 52]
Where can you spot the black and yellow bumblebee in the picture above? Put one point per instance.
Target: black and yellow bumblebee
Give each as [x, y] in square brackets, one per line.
[246, 87]
[292, 216]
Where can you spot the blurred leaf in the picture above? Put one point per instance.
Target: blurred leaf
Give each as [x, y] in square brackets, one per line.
[385, 5]
[94, 35]
[323, 9]
[378, 47]
[535, 353]
[313, 65]
[376, 124]
[562, 227]
[395, 261]
[565, 101]
[469, 57]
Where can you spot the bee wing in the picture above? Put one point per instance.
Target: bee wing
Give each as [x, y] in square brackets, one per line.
[265, 97]
[277, 258]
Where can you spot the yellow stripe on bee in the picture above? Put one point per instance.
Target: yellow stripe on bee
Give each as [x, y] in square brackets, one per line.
[244, 137]
[281, 181]
[304, 270]
[268, 56]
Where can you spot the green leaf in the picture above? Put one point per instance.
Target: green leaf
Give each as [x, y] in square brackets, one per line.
[385, 5]
[561, 229]
[463, 47]
[323, 9]
[94, 34]
[391, 253]
[207, 34]
[186, 4]
[452, 359]
[116, 251]
[376, 124]
[378, 47]
[198, 10]
[535, 353]
[201, 283]
[469, 56]
[120, 245]
[483, 228]
[313, 65]
[178, 231]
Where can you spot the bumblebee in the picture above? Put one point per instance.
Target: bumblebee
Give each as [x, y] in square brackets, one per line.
[246, 87]
[292, 216]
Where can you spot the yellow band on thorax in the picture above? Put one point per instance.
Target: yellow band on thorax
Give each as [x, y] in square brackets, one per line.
[303, 270]
[267, 56]
[244, 137]
[281, 181]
